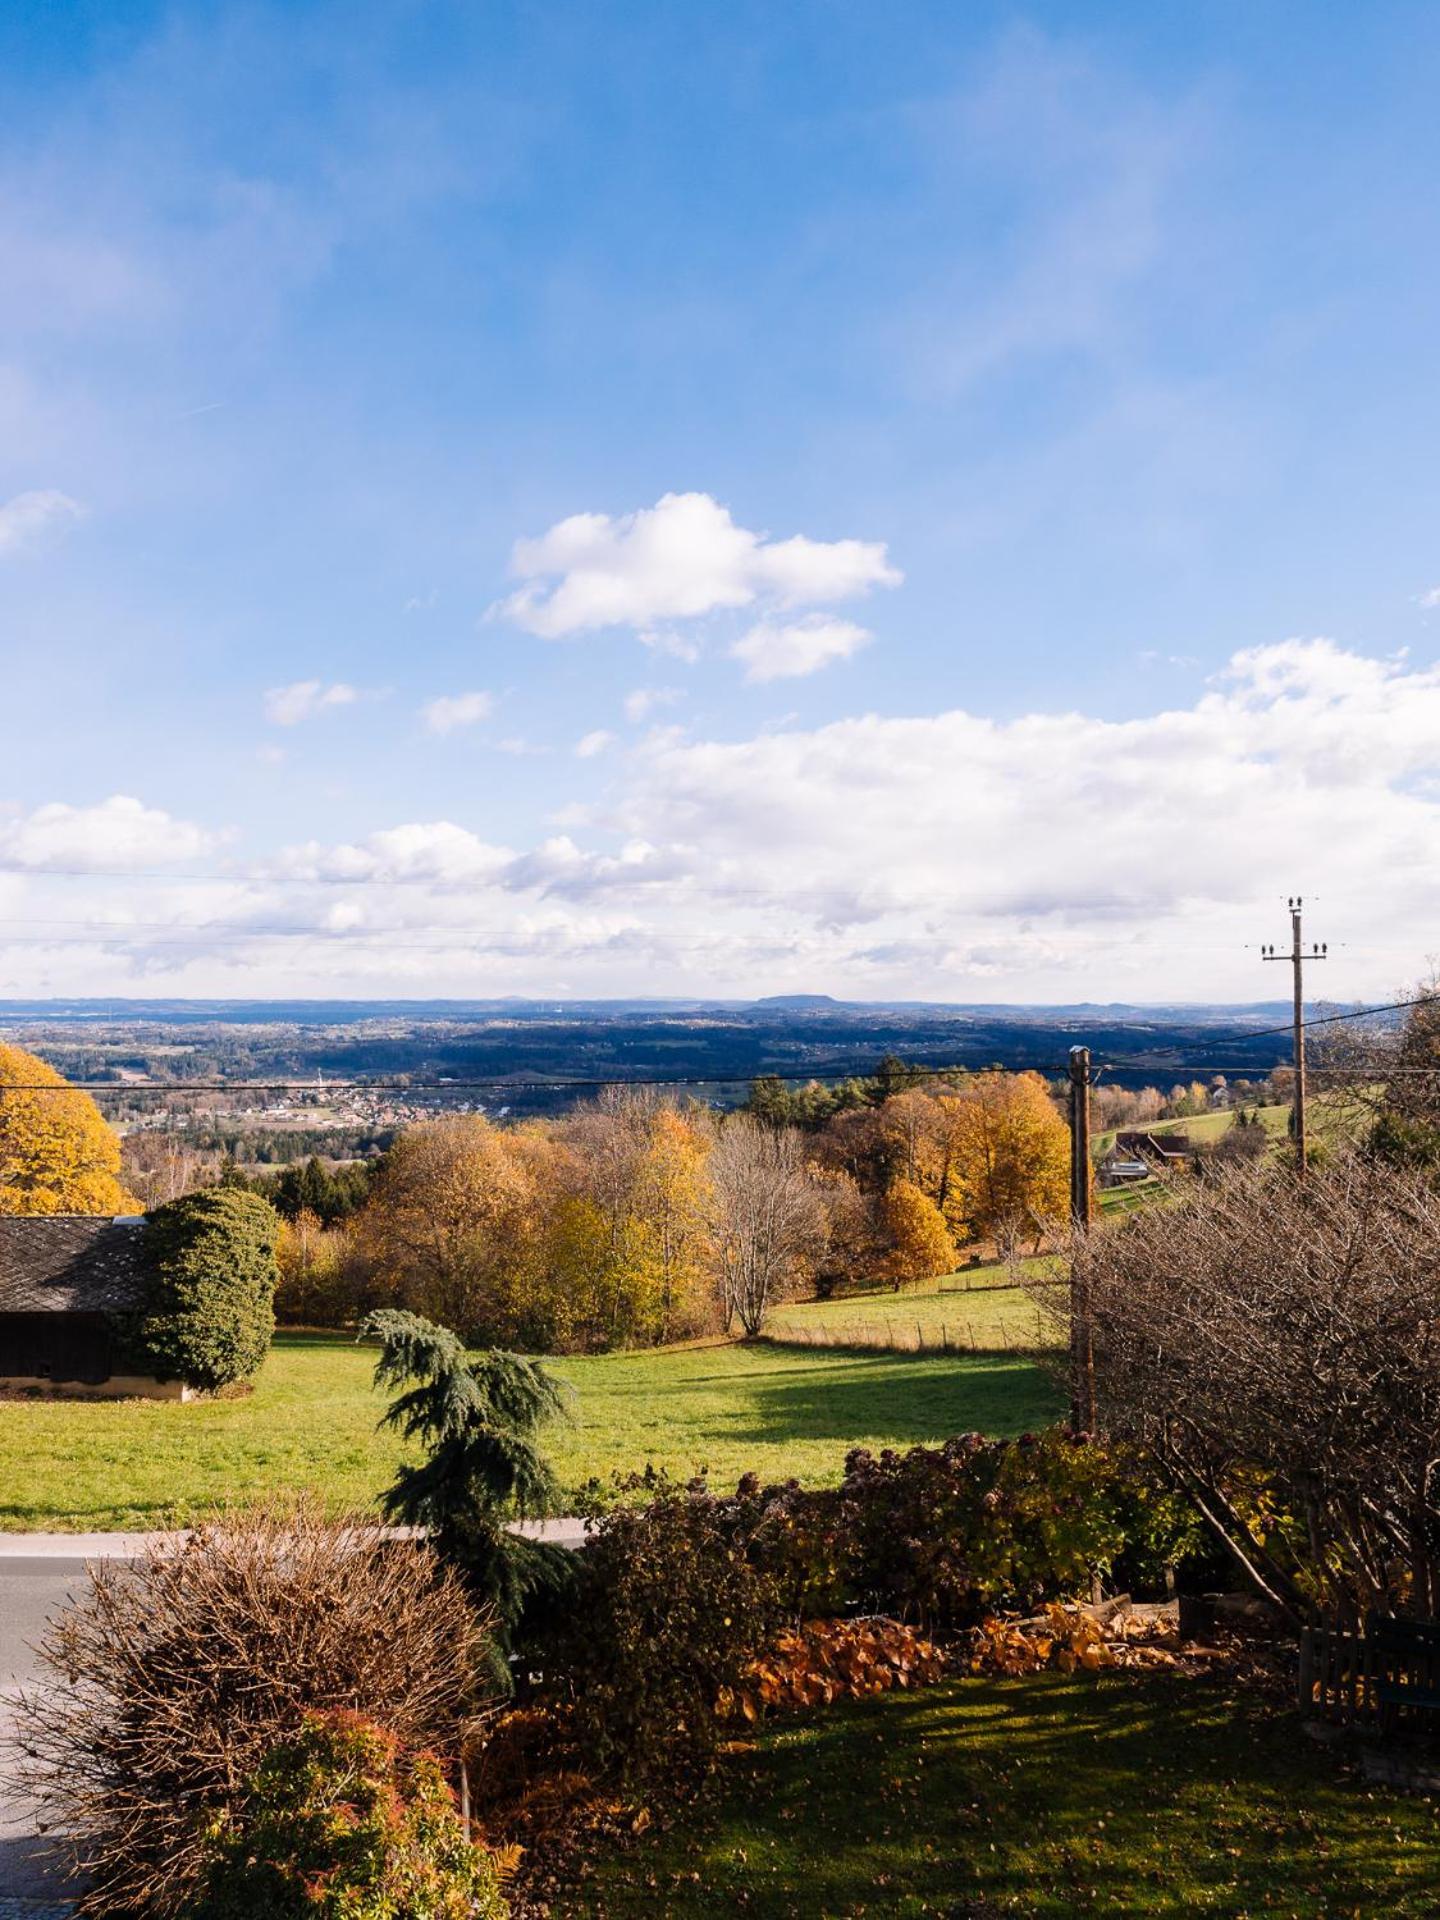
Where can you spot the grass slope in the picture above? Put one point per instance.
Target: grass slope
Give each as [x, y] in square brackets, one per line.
[1045, 1797]
[1209, 1126]
[311, 1424]
[986, 1317]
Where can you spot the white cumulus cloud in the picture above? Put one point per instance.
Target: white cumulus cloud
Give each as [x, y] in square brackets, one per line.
[789, 649]
[1302, 766]
[303, 699]
[451, 710]
[678, 560]
[644, 701]
[27, 516]
[1048, 856]
[589, 744]
[118, 833]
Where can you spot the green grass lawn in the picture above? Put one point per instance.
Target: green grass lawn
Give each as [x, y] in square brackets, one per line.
[310, 1424]
[985, 1316]
[1209, 1126]
[1045, 1797]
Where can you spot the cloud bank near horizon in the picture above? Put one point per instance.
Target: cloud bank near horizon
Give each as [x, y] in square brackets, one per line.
[949, 855]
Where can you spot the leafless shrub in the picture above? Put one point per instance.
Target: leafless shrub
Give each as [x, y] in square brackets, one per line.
[1276, 1345]
[174, 1674]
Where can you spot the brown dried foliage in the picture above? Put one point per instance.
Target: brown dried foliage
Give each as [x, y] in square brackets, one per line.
[828, 1660]
[1065, 1639]
[171, 1678]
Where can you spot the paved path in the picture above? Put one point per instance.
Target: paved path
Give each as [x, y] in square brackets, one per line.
[33, 1586]
[39, 1573]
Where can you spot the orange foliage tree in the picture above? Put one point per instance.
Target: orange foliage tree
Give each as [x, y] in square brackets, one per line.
[451, 1221]
[57, 1154]
[920, 1243]
[1011, 1155]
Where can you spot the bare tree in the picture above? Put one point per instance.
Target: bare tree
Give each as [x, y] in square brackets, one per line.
[769, 1217]
[1380, 1078]
[1276, 1346]
[165, 1166]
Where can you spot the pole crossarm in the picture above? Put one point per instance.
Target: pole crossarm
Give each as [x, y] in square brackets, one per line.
[1297, 956]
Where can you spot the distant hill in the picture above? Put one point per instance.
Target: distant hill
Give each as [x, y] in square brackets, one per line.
[487, 1049]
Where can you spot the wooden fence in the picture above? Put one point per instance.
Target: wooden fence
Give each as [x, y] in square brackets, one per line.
[1387, 1676]
[1337, 1676]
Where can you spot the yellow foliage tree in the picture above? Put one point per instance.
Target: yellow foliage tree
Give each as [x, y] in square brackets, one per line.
[671, 1191]
[57, 1154]
[311, 1260]
[1012, 1155]
[920, 1243]
[451, 1220]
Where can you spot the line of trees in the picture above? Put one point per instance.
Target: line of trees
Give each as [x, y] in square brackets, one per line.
[631, 1221]
[637, 1220]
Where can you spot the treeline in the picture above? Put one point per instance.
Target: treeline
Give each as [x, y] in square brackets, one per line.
[161, 1166]
[810, 1106]
[636, 1220]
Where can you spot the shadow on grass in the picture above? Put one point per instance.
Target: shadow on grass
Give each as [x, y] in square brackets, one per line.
[1045, 1797]
[912, 1399]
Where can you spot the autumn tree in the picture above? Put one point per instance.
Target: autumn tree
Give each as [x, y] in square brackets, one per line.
[853, 1248]
[164, 1166]
[321, 1284]
[628, 1233]
[1012, 1155]
[920, 1244]
[671, 1192]
[57, 1154]
[451, 1222]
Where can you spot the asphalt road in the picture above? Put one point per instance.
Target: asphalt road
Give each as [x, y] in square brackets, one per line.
[32, 1588]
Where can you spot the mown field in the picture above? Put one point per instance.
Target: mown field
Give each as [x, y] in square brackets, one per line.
[310, 1424]
[1044, 1797]
[1210, 1126]
[985, 1316]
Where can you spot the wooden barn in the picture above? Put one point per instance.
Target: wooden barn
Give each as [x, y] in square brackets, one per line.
[62, 1279]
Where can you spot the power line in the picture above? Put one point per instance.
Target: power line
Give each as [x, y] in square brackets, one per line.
[862, 1070]
[1320, 1020]
[819, 1073]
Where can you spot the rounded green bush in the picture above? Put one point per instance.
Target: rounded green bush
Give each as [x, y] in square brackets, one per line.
[210, 1310]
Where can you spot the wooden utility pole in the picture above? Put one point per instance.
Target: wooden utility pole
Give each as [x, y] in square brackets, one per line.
[1297, 957]
[1082, 1205]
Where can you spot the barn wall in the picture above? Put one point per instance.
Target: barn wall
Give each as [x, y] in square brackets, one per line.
[70, 1353]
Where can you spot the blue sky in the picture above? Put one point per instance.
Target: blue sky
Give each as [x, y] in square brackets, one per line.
[893, 500]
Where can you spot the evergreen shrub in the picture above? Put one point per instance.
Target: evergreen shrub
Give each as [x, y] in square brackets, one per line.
[211, 1279]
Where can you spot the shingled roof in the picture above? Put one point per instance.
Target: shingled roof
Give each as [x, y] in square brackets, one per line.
[69, 1263]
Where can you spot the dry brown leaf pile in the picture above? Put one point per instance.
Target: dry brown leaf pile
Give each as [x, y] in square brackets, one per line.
[827, 1660]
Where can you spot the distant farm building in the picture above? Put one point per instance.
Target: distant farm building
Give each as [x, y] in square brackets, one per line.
[1161, 1152]
[64, 1279]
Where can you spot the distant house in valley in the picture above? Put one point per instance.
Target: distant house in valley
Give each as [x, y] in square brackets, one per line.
[63, 1279]
[1161, 1152]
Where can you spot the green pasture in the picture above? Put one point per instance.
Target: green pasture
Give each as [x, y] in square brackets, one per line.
[310, 1424]
[988, 1317]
